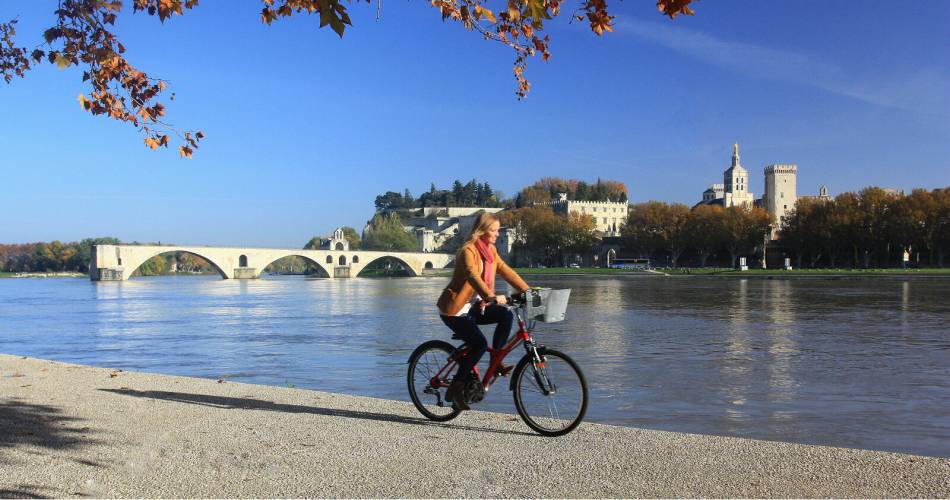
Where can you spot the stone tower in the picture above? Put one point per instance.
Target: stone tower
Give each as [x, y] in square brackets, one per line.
[736, 180]
[780, 191]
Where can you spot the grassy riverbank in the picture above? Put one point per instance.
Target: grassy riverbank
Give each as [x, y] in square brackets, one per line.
[719, 271]
[806, 272]
[714, 271]
[571, 270]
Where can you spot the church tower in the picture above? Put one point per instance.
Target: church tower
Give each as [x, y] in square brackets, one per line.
[736, 180]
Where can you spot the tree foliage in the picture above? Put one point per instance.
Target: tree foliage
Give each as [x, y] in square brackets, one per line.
[56, 256]
[50, 256]
[470, 194]
[654, 226]
[548, 188]
[352, 237]
[548, 237]
[83, 34]
[385, 232]
[659, 228]
[745, 228]
[870, 228]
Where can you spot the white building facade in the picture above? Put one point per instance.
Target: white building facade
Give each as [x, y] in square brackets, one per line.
[609, 216]
[780, 191]
[736, 182]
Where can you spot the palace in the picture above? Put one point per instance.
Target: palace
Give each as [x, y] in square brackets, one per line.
[609, 216]
[781, 191]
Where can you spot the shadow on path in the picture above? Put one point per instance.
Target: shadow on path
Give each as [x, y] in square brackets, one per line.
[28, 424]
[24, 423]
[257, 404]
[26, 491]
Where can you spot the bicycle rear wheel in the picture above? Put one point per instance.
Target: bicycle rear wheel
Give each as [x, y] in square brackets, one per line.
[550, 396]
[424, 365]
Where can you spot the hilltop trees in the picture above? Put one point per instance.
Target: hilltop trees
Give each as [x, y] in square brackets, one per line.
[83, 34]
[548, 188]
[385, 232]
[470, 194]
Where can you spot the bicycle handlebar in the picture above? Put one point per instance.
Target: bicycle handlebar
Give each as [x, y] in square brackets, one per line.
[516, 299]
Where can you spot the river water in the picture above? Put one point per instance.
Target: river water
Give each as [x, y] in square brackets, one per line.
[861, 363]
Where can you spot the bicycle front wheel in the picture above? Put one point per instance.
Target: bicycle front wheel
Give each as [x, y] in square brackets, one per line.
[428, 378]
[551, 396]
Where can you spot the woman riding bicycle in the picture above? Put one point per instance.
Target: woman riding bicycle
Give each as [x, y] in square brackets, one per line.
[470, 300]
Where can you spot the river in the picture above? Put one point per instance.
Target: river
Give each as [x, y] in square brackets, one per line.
[862, 363]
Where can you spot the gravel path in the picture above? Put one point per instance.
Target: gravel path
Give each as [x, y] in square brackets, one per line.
[70, 430]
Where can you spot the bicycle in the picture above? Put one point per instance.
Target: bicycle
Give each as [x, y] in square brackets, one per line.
[549, 389]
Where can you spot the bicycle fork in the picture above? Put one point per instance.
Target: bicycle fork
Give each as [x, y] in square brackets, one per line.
[539, 369]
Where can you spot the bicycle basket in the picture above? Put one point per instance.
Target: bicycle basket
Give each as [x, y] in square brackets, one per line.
[547, 305]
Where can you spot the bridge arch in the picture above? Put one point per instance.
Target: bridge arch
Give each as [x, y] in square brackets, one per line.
[135, 263]
[270, 260]
[409, 268]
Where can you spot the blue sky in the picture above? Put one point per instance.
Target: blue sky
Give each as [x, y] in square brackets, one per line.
[305, 129]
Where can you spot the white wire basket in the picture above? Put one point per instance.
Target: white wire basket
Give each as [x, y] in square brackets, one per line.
[547, 305]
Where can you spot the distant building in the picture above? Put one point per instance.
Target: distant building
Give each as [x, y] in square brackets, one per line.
[736, 180]
[336, 241]
[734, 190]
[713, 193]
[609, 216]
[434, 227]
[822, 195]
[781, 189]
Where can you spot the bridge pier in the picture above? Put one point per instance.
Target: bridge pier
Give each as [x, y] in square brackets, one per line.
[341, 272]
[106, 273]
[245, 273]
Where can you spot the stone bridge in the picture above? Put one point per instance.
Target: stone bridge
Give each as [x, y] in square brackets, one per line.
[118, 262]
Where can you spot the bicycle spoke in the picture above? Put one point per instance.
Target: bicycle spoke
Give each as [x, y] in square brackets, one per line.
[552, 399]
[426, 394]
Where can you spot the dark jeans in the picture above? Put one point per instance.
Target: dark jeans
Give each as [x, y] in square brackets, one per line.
[466, 327]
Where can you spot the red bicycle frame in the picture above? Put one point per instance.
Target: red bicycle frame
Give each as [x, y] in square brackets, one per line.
[495, 357]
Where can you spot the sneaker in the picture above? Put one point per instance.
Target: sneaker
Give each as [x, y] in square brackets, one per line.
[504, 370]
[460, 405]
[455, 394]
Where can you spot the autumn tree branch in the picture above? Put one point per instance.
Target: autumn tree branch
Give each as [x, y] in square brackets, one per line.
[82, 36]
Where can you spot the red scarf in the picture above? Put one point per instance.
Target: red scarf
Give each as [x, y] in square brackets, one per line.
[488, 272]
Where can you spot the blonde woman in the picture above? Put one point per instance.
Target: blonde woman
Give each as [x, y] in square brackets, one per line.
[470, 300]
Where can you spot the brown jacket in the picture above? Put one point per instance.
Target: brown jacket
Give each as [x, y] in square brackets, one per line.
[467, 280]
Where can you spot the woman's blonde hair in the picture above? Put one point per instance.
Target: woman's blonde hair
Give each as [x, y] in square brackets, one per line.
[481, 226]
